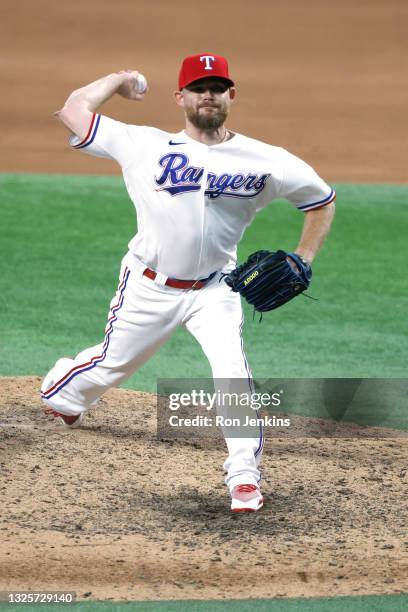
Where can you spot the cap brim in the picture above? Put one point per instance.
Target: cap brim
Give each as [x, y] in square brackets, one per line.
[212, 76]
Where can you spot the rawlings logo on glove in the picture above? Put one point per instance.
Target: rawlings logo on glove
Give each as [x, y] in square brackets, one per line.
[268, 280]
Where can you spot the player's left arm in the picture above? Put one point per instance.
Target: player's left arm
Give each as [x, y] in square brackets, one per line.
[316, 227]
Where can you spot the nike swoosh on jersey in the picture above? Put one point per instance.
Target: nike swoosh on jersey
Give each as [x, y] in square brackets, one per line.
[176, 143]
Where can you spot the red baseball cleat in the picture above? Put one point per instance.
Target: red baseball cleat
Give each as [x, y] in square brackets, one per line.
[246, 498]
[69, 420]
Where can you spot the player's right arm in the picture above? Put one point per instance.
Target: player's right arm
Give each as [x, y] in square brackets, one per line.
[77, 112]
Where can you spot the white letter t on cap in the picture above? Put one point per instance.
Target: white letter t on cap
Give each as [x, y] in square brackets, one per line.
[207, 59]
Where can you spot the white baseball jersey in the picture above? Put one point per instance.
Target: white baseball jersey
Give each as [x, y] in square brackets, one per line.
[194, 201]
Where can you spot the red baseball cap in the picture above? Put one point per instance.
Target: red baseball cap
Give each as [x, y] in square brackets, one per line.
[202, 66]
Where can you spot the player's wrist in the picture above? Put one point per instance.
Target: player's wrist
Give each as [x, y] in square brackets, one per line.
[117, 79]
[306, 257]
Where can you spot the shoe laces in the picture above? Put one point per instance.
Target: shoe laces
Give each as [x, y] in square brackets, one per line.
[246, 488]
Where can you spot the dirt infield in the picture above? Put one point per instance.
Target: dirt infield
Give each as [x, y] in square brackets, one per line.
[323, 79]
[109, 511]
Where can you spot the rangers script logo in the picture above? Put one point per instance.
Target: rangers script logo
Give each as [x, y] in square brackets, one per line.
[179, 177]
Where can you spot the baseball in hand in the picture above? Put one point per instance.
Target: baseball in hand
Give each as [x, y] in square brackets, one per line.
[140, 84]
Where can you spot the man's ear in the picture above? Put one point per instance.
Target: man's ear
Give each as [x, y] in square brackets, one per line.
[179, 97]
[232, 93]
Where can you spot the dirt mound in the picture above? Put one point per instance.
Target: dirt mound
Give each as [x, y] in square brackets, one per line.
[111, 512]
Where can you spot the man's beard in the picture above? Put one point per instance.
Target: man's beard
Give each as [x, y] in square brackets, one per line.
[207, 122]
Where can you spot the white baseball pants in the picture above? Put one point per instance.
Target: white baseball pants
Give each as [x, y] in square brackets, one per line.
[143, 314]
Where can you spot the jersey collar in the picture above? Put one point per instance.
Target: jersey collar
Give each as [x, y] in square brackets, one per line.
[190, 140]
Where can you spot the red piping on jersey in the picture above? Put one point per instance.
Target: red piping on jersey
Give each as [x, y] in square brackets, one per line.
[89, 131]
[321, 206]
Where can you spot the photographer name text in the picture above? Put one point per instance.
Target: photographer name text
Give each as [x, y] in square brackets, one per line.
[222, 421]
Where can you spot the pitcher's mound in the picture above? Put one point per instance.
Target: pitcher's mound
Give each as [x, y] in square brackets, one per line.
[111, 512]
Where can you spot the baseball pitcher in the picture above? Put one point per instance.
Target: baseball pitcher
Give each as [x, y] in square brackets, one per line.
[195, 193]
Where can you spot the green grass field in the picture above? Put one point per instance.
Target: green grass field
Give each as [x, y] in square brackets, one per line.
[62, 239]
[391, 603]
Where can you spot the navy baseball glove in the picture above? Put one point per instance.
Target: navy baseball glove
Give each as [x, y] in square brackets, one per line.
[267, 280]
